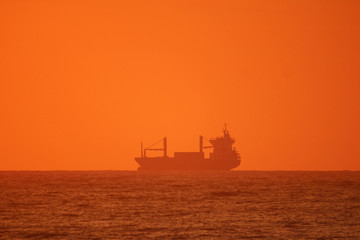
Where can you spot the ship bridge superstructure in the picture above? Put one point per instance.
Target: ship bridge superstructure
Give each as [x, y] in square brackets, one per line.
[223, 149]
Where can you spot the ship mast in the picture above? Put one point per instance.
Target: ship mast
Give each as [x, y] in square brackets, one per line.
[165, 147]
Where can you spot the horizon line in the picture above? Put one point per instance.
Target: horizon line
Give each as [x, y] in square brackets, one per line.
[135, 170]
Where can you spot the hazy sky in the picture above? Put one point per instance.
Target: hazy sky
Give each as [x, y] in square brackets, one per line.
[83, 82]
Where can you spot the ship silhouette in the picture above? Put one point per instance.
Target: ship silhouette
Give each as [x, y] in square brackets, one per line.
[222, 157]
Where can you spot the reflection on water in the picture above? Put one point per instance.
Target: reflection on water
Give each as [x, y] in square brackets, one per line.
[179, 205]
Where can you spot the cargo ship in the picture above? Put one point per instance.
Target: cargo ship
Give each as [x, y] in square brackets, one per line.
[222, 156]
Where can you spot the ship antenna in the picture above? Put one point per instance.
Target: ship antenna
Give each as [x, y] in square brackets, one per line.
[225, 129]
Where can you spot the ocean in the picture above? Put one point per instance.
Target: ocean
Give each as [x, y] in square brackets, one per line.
[179, 205]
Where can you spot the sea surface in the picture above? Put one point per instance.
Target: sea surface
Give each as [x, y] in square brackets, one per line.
[179, 205]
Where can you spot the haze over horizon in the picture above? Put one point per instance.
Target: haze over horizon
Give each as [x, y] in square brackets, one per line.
[83, 82]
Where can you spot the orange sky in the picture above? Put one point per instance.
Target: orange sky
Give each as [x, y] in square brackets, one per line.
[83, 82]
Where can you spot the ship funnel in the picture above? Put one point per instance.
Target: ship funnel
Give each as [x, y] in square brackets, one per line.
[201, 144]
[165, 147]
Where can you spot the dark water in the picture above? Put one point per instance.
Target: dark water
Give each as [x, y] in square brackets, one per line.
[187, 205]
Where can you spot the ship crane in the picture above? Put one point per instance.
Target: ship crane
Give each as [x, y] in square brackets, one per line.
[202, 147]
[164, 149]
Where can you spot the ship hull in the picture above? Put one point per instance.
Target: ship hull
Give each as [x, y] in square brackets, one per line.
[174, 164]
